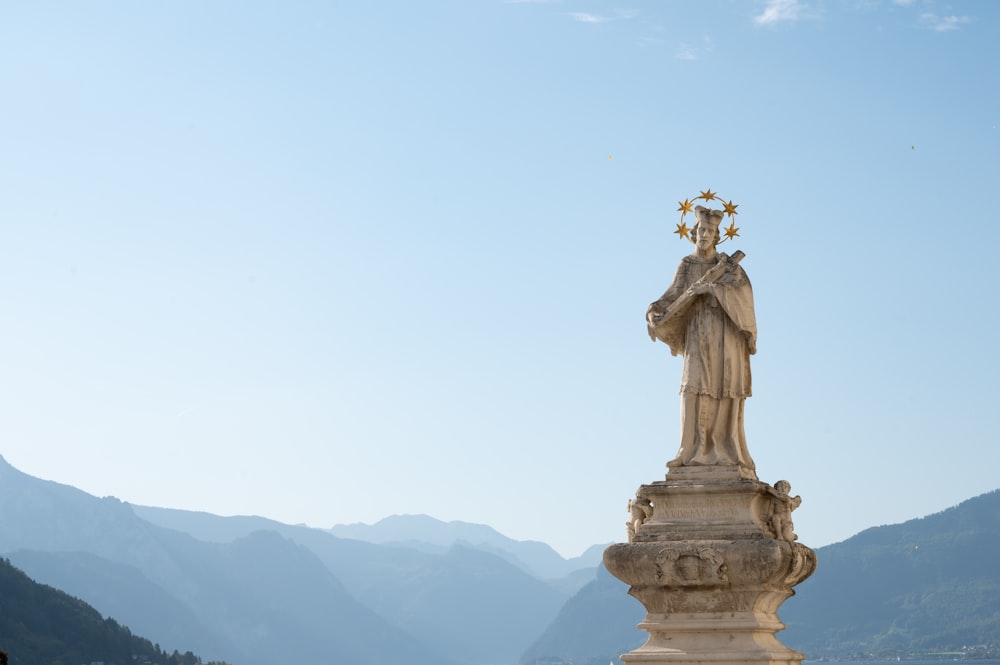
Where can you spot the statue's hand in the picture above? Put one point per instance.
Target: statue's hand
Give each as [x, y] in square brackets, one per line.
[653, 314]
[700, 289]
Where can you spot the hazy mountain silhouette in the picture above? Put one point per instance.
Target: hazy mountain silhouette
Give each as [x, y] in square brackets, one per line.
[261, 598]
[471, 604]
[490, 609]
[213, 528]
[596, 625]
[930, 583]
[412, 532]
[432, 535]
[303, 614]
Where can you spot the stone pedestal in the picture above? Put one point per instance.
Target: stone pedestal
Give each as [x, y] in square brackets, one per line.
[711, 564]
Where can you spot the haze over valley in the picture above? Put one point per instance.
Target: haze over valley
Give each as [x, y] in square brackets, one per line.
[410, 588]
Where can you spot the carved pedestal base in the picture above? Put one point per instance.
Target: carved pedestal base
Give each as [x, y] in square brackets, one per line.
[711, 565]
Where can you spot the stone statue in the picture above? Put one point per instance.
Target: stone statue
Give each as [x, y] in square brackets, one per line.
[707, 316]
[712, 551]
[783, 505]
[639, 510]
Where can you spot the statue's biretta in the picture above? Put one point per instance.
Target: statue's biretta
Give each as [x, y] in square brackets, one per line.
[705, 215]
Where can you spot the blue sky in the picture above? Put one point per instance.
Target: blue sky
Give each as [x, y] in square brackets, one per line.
[329, 262]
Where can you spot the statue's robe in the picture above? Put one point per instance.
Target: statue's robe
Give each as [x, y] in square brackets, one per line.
[716, 335]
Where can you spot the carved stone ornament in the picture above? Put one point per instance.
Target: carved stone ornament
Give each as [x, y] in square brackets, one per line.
[690, 566]
[779, 520]
[639, 510]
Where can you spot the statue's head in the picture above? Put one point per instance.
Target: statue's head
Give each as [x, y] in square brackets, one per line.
[783, 486]
[707, 216]
[706, 227]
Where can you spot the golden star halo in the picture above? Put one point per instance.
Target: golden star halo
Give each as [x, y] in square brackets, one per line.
[729, 208]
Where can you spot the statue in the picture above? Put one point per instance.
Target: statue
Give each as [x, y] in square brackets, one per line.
[707, 316]
[783, 505]
[639, 510]
[712, 551]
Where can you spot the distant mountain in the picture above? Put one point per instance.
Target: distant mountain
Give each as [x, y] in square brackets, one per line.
[39, 624]
[212, 528]
[594, 627]
[184, 576]
[930, 584]
[471, 604]
[282, 600]
[432, 535]
[575, 581]
[261, 599]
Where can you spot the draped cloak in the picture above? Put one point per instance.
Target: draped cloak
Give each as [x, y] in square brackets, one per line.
[716, 335]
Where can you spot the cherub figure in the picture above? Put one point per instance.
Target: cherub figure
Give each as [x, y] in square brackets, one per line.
[783, 505]
[639, 510]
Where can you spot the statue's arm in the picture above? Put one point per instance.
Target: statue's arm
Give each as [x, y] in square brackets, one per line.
[660, 305]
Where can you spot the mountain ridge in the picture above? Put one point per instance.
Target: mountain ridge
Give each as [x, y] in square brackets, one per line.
[426, 532]
[219, 583]
[393, 580]
[414, 531]
[214, 583]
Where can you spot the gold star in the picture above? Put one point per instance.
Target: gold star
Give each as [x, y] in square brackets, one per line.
[707, 195]
[682, 230]
[731, 208]
[731, 231]
[686, 207]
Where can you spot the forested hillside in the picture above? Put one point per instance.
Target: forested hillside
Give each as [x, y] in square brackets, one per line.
[929, 584]
[39, 624]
